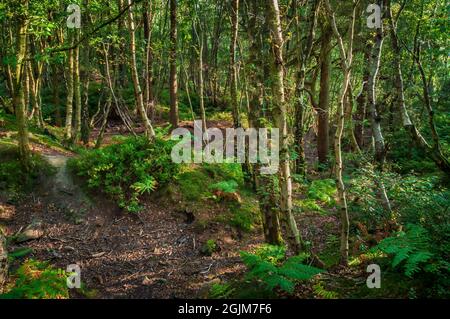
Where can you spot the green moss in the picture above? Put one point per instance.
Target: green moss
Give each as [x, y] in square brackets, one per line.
[193, 185]
[225, 171]
[197, 181]
[245, 216]
[225, 186]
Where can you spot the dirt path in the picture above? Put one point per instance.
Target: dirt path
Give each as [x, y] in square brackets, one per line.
[61, 188]
[62, 180]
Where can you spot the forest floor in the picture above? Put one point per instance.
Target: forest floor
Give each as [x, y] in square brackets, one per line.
[154, 254]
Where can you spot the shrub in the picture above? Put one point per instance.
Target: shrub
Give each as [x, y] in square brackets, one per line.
[268, 269]
[38, 280]
[271, 253]
[222, 116]
[419, 202]
[417, 256]
[319, 192]
[408, 159]
[19, 253]
[323, 190]
[409, 249]
[364, 204]
[12, 176]
[127, 170]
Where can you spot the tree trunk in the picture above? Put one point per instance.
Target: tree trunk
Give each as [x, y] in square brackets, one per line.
[34, 88]
[85, 76]
[18, 98]
[349, 129]
[173, 65]
[26, 90]
[101, 133]
[304, 53]
[323, 141]
[85, 117]
[200, 76]
[346, 63]
[375, 118]
[148, 63]
[280, 116]
[233, 66]
[361, 101]
[122, 78]
[77, 92]
[262, 183]
[69, 98]
[111, 95]
[55, 93]
[149, 132]
[215, 51]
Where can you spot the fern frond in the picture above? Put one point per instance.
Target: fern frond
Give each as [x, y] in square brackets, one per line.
[412, 266]
[275, 281]
[401, 255]
[410, 249]
[299, 271]
[320, 291]
[267, 270]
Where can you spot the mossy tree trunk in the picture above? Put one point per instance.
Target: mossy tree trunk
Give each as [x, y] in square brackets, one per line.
[18, 97]
[264, 184]
[280, 115]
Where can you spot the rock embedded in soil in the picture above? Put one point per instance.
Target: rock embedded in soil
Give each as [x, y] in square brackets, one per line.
[32, 232]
